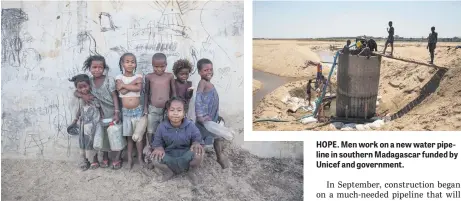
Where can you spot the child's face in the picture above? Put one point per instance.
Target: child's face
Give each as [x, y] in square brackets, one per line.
[390, 24]
[129, 64]
[83, 87]
[183, 74]
[176, 112]
[97, 68]
[159, 66]
[206, 72]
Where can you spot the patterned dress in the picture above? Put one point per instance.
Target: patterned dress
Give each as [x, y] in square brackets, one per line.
[207, 104]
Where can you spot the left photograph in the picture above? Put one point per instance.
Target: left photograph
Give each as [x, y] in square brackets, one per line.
[121, 100]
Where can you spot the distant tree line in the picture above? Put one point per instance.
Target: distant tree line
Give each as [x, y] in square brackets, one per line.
[396, 38]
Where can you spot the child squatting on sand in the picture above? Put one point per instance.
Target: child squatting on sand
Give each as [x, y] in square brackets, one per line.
[177, 143]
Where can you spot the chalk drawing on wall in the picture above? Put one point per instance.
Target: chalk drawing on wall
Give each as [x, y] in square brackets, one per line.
[106, 22]
[86, 41]
[116, 4]
[30, 59]
[12, 20]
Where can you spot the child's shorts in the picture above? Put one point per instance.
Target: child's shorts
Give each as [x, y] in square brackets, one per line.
[154, 117]
[130, 118]
[178, 160]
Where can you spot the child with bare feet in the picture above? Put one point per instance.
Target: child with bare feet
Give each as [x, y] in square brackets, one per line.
[89, 113]
[181, 69]
[103, 89]
[207, 109]
[129, 86]
[159, 84]
[176, 143]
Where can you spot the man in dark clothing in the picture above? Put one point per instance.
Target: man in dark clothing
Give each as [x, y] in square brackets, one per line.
[372, 45]
[390, 38]
[431, 43]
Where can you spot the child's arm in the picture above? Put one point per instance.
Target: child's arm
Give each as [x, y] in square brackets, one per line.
[172, 85]
[86, 98]
[134, 86]
[114, 99]
[200, 112]
[146, 94]
[190, 91]
[77, 116]
[157, 141]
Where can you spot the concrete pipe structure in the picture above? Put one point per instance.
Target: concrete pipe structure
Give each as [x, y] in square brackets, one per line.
[358, 81]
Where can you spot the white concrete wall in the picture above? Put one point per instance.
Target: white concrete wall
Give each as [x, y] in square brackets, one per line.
[45, 43]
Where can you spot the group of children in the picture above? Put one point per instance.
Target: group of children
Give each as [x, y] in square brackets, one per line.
[174, 143]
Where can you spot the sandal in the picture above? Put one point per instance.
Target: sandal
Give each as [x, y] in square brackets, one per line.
[117, 165]
[94, 165]
[85, 165]
[104, 164]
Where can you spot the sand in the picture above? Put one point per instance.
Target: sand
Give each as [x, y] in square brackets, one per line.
[284, 58]
[256, 85]
[249, 178]
[400, 83]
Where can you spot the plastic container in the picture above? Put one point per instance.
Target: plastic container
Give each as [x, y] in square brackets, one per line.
[116, 140]
[98, 136]
[140, 129]
[219, 130]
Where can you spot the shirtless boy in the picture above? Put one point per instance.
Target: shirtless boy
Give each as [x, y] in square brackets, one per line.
[159, 86]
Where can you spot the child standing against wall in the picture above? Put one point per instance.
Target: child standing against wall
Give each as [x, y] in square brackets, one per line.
[160, 87]
[89, 114]
[103, 89]
[129, 86]
[181, 69]
[207, 109]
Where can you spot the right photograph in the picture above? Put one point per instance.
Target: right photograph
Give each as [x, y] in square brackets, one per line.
[356, 66]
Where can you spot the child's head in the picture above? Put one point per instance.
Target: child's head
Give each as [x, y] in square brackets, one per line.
[175, 110]
[127, 63]
[96, 64]
[432, 28]
[82, 83]
[310, 81]
[205, 69]
[182, 69]
[348, 42]
[390, 23]
[159, 63]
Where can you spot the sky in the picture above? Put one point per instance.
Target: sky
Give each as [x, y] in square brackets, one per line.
[314, 19]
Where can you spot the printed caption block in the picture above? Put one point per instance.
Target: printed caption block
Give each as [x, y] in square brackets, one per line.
[385, 170]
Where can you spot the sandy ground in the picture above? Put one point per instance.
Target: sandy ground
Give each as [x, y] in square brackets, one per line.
[256, 85]
[400, 83]
[285, 58]
[249, 178]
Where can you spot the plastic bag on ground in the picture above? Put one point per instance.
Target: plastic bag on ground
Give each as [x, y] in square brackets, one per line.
[219, 130]
[308, 120]
[116, 140]
[337, 125]
[360, 127]
[140, 129]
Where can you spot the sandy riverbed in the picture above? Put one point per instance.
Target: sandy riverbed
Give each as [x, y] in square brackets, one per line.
[256, 85]
[400, 83]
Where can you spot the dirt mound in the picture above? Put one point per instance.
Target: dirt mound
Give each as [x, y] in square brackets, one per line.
[249, 178]
[256, 85]
[284, 58]
[440, 110]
